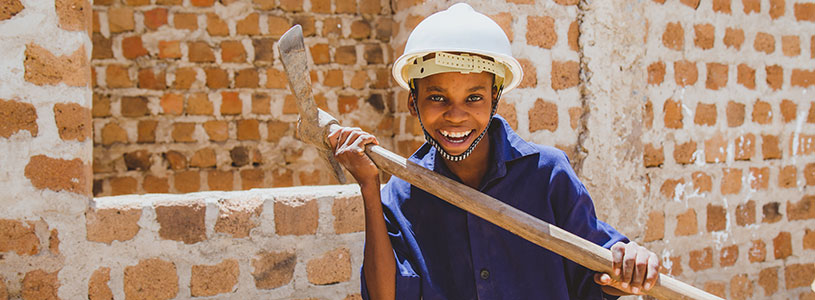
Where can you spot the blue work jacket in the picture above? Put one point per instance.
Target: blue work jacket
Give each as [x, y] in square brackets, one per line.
[444, 252]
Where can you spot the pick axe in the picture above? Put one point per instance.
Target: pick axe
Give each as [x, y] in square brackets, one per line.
[315, 125]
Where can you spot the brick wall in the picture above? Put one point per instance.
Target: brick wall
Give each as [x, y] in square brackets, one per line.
[728, 123]
[191, 95]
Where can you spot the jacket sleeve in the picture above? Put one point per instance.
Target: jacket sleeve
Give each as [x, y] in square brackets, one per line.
[574, 212]
[408, 282]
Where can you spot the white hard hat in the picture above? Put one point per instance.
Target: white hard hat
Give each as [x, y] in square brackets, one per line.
[459, 29]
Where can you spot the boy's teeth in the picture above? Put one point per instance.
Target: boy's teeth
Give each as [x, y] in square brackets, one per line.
[455, 134]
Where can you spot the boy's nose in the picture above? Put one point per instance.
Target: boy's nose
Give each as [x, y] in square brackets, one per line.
[455, 113]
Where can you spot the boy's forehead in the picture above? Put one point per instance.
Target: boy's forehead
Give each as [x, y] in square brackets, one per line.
[450, 80]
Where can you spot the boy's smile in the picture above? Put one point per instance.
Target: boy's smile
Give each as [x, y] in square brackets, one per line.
[454, 108]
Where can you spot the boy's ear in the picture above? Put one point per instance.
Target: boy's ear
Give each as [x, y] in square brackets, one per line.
[410, 104]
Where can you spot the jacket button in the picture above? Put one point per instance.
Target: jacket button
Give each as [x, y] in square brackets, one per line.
[485, 274]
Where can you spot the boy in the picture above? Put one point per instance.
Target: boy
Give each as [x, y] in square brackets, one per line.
[456, 64]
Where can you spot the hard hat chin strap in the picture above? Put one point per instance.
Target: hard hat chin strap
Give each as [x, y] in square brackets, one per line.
[433, 142]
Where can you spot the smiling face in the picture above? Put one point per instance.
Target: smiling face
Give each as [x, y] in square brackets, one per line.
[454, 108]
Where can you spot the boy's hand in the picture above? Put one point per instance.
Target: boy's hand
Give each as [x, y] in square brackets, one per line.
[637, 268]
[349, 149]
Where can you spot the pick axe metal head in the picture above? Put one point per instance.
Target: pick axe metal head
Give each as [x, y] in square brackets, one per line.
[314, 123]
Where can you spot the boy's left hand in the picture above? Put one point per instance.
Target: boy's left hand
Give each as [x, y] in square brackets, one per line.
[636, 266]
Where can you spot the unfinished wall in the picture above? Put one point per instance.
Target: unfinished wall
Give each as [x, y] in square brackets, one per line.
[191, 96]
[692, 124]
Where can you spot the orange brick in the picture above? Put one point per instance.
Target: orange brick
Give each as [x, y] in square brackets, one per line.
[705, 114]
[672, 111]
[722, 6]
[155, 18]
[575, 113]
[333, 78]
[674, 36]
[791, 45]
[771, 212]
[745, 146]
[370, 7]
[373, 54]
[252, 178]
[73, 121]
[231, 103]
[152, 80]
[264, 51]
[276, 130]
[249, 25]
[762, 112]
[802, 78]
[182, 222]
[38, 284]
[319, 54]
[530, 78]
[169, 49]
[787, 177]
[113, 133]
[153, 184]
[809, 239]
[805, 12]
[217, 78]
[652, 156]
[138, 160]
[716, 76]
[777, 8]
[307, 23]
[117, 76]
[273, 269]
[685, 73]
[296, 218]
[19, 237]
[741, 287]
[731, 181]
[686, 223]
[798, 275]
[123, 185]
[246, 78]
[233, 51]
[330, 268]
[347, 103]
[134, 107]
[220, 180]
[782, 247]
[751, 6]
[360, 29]
[278, 26]
[759, 178]
[701, 259]
[704, 36]
[321, 6]
[248, 130]
[184, 78]
[216, 26]
[348, 215]
[261, 104]
[202, 3]
[217, 130]
[702, 182]
[656, 73]
[59, 174]
[764, 42]
[147, 131]
[788, 110]
[102, 47]
[346, 55]
[729, 256]
[809, 174]
[655, 227]
[100, 108]
[565, 74]
[683, 153]
[200, 52]
[543, 116]
[768, 280]
[187, 21]
[345, 6]
[541, 31]
[276, 79]
[775, 76]
[733, 37]
[746, 213]
[206, 280]
[716, 218]
[770, 147]
[151, 279]
[757, 252]
[10, 9]
[98, 287]
[716, 149]
[182, 132]
[120, 19]
[691, 3]
[573, 36]
[172, 104]
[203, 158]
[801, 210]
[746, 76]
[132, 47]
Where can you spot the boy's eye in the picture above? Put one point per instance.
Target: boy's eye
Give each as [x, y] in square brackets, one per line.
[474, 98]
[436, 98]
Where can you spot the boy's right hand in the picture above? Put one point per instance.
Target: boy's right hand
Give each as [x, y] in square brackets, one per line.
[349, 149]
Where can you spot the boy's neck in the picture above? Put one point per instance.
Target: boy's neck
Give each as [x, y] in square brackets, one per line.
[472, 169]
